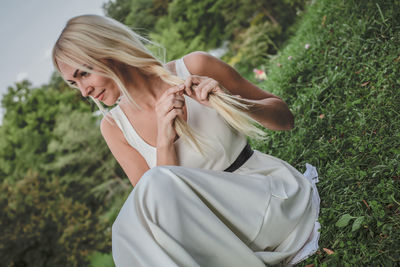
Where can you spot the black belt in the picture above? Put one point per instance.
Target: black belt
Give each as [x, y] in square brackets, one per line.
[241, 159]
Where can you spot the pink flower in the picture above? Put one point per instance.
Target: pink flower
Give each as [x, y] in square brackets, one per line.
[307, 46]
[260, 74]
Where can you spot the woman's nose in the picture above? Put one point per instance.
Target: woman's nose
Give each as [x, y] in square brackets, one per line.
[85, 90]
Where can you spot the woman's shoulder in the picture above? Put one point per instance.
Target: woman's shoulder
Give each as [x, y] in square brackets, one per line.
[196, 62]
[108, 126]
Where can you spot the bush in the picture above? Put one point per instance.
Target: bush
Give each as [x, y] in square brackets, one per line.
[40, 226]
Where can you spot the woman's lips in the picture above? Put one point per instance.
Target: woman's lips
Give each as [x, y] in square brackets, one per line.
[101, 95]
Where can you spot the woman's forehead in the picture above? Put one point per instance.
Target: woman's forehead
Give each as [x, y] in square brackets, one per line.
[67, 71]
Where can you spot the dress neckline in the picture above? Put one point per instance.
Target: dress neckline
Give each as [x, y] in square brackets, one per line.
[145, 142]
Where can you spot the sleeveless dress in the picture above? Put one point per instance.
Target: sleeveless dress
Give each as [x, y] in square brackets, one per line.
[195, 214]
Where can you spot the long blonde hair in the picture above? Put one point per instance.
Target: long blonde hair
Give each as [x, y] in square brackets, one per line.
[91, 42]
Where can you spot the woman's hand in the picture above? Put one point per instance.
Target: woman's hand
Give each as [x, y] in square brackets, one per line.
[199, 88]
[168, 107]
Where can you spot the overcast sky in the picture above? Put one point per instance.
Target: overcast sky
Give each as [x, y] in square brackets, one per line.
[28, 30]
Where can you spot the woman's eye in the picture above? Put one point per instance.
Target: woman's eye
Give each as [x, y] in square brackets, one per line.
[84, 73]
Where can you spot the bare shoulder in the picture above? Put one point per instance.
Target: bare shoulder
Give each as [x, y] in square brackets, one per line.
[131, 161]
[204, 64]
[113, 135]
[109, 128]
[197, 62]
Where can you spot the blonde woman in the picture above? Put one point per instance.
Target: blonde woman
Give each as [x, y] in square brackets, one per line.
[202, 196]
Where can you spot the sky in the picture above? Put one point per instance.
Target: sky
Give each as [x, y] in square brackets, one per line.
[28, 30]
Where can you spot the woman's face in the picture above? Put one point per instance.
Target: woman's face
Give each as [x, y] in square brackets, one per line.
[100, 87]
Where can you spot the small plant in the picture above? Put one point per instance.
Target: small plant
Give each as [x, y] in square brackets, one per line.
[98, 259]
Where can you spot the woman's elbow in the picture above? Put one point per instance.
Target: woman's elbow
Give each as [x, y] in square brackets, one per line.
[286, 117]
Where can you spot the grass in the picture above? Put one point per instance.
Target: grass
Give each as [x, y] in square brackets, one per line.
[344, 92]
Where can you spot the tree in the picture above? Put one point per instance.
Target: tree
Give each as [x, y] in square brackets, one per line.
[41, 226]
[118, 9]
[183, 26]
[58, 177]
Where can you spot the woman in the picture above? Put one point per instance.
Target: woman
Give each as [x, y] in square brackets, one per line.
[201, 196]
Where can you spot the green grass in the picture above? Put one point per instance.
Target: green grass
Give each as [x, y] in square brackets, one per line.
[345, 94]
[98, 259]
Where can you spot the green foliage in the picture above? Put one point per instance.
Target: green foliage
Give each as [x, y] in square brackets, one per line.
[189, 26]
[344, 220]
[141, 15]
[344, 92]
[254, 46]
[172, 38]
[81, 157]
[98, 259]
[58, 179]
[239, 15]
[144, 14]
[183, 26]
[28, 126]
[258, 30]
[117, 9]
[41, 226]
[61, 189]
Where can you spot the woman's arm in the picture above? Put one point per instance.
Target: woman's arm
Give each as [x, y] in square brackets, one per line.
[168, 107]
[133, 164]
[166, 155]
[268, 109]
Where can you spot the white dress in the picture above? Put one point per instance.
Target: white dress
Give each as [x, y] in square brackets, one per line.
[195, 214]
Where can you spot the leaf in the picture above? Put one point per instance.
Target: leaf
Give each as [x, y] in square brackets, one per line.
[323, 20]
[328, 251]
[357, 223]
[366, 204]
[344, 220]
[365, 84]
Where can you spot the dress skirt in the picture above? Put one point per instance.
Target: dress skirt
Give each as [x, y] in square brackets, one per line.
[261, 214]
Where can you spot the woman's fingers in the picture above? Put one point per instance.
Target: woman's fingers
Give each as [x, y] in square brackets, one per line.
[169, 102]
[168, 107]
[205, 87]
[174, 90]
[196, 86]
[172, 105]
[188, 87]
[173, 113]
[190, 82]
[176, 104]
[173, 98]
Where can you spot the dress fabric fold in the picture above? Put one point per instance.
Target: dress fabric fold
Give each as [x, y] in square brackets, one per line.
[195, 214]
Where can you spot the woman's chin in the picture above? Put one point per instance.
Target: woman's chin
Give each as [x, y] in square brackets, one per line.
[109, 102]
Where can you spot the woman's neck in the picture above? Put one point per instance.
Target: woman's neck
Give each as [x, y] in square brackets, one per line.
[145, 90]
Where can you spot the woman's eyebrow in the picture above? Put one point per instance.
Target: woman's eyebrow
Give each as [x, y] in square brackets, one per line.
[75, 73]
